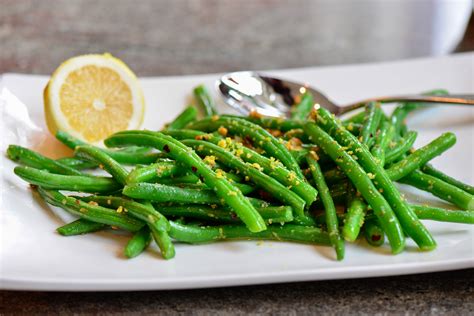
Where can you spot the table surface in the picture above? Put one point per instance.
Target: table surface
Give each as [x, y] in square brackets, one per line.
[205, 36]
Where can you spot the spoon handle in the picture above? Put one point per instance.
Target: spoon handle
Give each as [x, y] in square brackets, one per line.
[460, 99]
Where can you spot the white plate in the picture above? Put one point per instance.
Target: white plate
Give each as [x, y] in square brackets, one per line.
[34, 257]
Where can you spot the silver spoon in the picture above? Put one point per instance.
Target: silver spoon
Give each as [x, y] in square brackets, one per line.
[248, 91]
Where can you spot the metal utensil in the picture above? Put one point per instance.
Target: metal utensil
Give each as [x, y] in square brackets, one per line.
[248, 91]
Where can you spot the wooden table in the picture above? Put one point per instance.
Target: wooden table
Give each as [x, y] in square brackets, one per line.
[204, 36]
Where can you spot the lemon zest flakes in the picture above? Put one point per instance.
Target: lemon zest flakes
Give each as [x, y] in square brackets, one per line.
[220, 174]
[222, 143]
[257, 166]
[210, 160]
[222, 131]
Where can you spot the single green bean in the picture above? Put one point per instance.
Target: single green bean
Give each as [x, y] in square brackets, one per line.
[188, 115]
[35, 160]
[150, 173]
[92, 184]
[354, 218]
[421, 156]
[401, 148]
[363, 184]
[165, 193]
[373, 115]
[280, 123]
[192, 181]
[382, 139]
[90, 211]
[271, 214]
[441, 189]
[374, 233]
[138, 243]
[181, 153]
[129, 155]
[204, 99]
[443, 215]
[432, 171]
[410, 223]
[301, 110]
[330, 210]
[288, 232]
[76, 163]
[106, 162]
[80, 227]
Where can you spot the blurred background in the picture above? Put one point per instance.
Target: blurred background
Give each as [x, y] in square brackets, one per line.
[159, 37]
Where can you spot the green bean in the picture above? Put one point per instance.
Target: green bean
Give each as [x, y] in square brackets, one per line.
[35, 160]
[410, 223]
[354, 218]
[374, 233]
[76, 163]
[441, 189]
[373, 115]
[443, 215]
[138, 243]
[401, 148]
[80, 227]
[382, 140]
[421, 156]
[204, 100]
[257, 134]
[129, 155]
[271, 214]
[188, 115]
[432, 171]
[278, 190]
[306, 220]
[150, 173]
[279, 123]
[330, 210]
[90, 212]
[162, 238]
[301, 110]
[181, 153]
[363, 184]
[288, 232]
[181, 134]
[357, 118]
[164, 193]
[92, 184]
[192, 181]
[401, 112]
[106, 162]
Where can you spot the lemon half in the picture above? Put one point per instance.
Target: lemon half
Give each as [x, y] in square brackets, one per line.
[92, 97]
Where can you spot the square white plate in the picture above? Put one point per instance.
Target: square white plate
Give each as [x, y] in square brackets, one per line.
[34, 257]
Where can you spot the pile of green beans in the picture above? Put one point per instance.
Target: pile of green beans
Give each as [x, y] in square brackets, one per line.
[309, 179]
